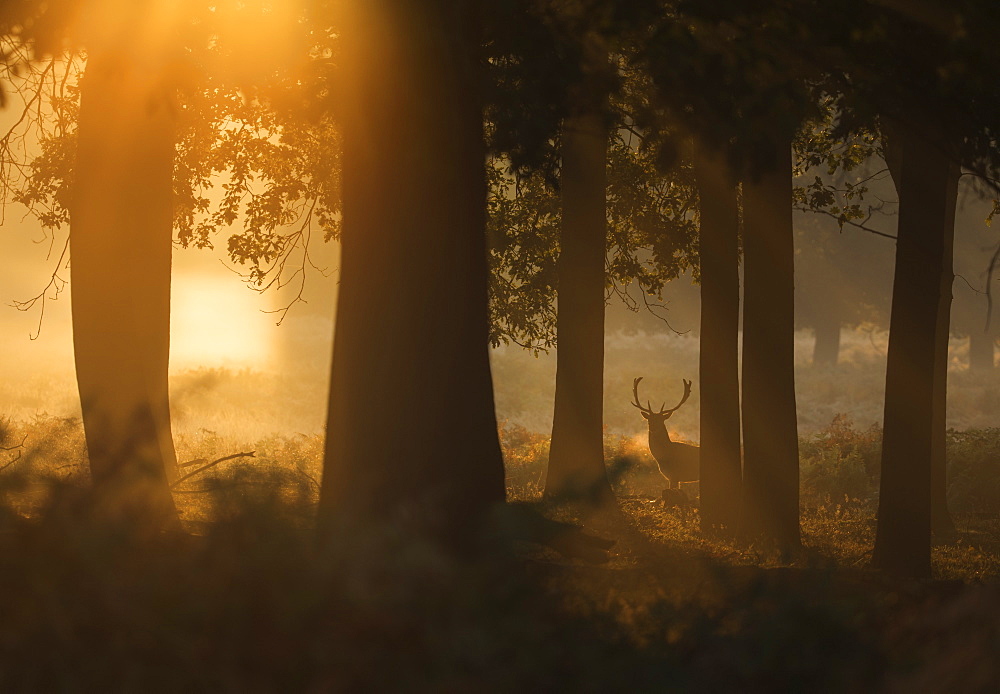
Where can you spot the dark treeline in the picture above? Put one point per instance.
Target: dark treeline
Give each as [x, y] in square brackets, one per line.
[497, 172]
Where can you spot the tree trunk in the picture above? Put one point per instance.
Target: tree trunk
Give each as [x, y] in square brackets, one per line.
[942, 525]
[826, 351]
[718, 361]
[576, 460]
[120, 245]
[981, 351]
[411, 435]
[770, 436]
[941, 522]
[903, 536]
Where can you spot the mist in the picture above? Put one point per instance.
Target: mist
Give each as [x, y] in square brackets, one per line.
[237, 372]
[534, 345]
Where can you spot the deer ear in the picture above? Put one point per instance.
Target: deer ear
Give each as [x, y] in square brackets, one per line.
[644, 415]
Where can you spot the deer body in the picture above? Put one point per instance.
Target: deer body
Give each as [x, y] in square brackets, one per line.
[677, 462]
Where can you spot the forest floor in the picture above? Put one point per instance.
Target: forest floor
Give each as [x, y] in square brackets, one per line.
[745, 619]
[249, 603]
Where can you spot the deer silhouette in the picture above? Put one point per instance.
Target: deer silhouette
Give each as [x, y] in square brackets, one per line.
[677, 462]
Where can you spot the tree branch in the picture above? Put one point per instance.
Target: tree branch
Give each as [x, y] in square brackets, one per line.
[184, 478]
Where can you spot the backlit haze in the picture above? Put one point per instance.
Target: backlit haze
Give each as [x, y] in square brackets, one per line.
[235, 372]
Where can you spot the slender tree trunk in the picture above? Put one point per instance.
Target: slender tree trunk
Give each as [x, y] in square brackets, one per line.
[826, 351]
[903, 536]
[770, 436]
[941, 522]
[120, 245]
[576, 462]
[411, 435]
[718, 360]
[981, 351]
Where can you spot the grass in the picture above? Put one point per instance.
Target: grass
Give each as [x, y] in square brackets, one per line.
[249, 602]
[838, 494]
[839, 473]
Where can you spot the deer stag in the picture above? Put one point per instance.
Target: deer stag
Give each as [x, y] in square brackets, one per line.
[678, 462]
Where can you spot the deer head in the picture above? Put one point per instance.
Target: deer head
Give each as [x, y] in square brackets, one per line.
[663, 414]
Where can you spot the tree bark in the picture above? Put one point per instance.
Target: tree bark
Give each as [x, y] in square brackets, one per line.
[826, 351]
[903, 535]
[770, 436]
[120, 245]
[718, 360]
[981, 351]
[576, 468]
[411, 436]
[942, 525]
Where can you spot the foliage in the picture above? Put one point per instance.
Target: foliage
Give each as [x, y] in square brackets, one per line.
[523, 216]
[250, 599]
[631, 468]
[840, 465]
[651, 220]
[844, 159]
[37, 146]
[973, 470]
[281, 180]
[524, 455]
[275, 161]
[652, 239]
[942, 57]
[834, 477]
[252, 604]
[721, 73]
[651, 211]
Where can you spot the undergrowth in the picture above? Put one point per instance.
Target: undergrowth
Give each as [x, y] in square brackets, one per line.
[250, 601]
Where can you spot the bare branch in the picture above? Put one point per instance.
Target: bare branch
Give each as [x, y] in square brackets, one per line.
[55, 282]
[14, 448]
[858, 225]
[20, 452]
[184, 478]
[969, 284]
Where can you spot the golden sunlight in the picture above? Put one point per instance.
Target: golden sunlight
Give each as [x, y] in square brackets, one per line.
[216, 321]
[257, 35]
[151, 25]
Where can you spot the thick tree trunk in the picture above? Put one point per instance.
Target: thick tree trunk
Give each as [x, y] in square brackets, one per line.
[576, 462]
[120, 245]
[981, 351]
[770, 436]
[941, 522]
[411, 435]
[903, 536]
[718, 361]
[826, 351]
[942, 525]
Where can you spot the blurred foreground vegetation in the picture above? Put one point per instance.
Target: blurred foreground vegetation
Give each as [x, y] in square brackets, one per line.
[248, 601]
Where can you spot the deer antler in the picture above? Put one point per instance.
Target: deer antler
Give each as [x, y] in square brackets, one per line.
[687, 394]
[649, 408]
[635, 393]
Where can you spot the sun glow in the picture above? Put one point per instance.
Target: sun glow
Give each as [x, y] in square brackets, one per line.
[245, 40]
[216, 321]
